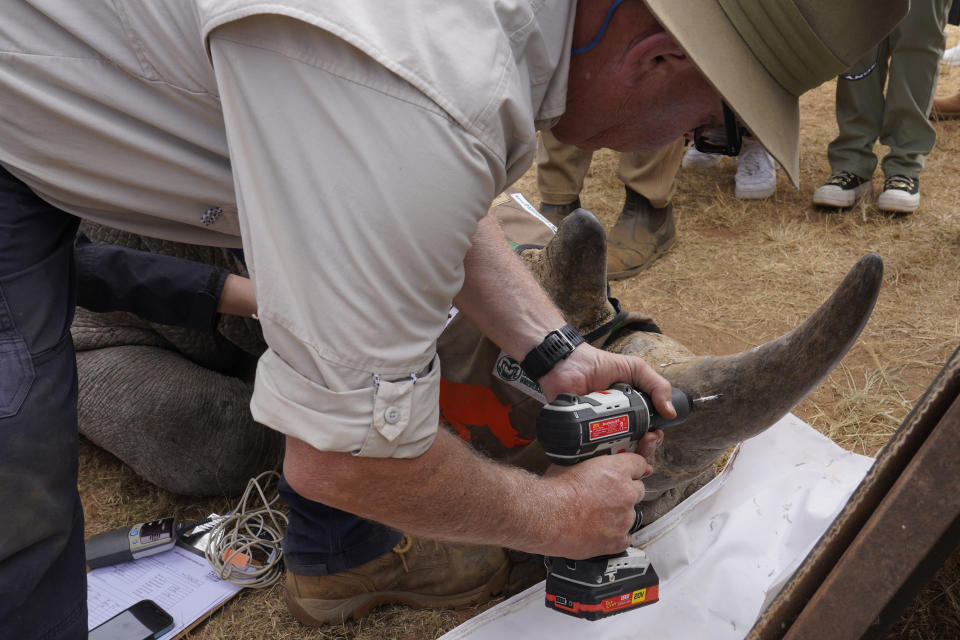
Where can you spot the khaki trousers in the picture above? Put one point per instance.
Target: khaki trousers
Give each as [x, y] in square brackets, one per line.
[906, 61]
[561, 169]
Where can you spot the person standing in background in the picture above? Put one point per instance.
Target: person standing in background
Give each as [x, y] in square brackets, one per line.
[756, 176]
[906, 62]
[645, 229]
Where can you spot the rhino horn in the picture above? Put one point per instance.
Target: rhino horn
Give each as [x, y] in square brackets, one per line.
[757, 387]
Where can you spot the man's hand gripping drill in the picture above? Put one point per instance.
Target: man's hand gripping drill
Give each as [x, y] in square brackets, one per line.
[573, 429]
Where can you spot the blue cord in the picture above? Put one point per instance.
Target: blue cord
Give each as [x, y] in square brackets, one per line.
[603, 29]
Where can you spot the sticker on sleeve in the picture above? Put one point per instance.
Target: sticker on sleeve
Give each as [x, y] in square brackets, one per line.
[508, 370]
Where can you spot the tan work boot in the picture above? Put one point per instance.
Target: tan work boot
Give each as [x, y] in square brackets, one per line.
[418, 573]
[641, 235]
[946, 107]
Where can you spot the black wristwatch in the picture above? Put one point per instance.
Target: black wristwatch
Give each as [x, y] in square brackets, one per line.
[555, 347]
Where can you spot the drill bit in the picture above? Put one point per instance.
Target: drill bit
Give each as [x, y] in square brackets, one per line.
[703, 399]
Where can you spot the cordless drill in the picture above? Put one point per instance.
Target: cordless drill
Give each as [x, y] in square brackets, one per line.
[575, 428]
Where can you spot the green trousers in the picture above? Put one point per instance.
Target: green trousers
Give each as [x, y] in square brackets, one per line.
[906, 62]
[562, 168]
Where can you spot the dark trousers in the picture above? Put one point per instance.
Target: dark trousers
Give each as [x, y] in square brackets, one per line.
[42, 576]
[887, 96]
[321, 540]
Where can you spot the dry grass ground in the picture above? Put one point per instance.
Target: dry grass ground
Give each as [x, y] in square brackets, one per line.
[741, 273]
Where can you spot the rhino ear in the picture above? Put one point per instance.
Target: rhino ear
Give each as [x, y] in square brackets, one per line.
[758, 386]
[572, 268]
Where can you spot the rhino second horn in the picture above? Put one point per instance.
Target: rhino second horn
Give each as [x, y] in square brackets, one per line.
[759, 386]
[572, 268]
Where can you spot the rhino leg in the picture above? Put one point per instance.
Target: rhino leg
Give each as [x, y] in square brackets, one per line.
[178, 425]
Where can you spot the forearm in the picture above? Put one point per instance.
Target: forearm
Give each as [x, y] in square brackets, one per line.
[237, 297]
[501, 296]
[160, 288]
[449, 493]
[452, 493]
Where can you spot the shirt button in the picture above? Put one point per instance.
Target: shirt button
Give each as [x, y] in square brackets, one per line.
[391, 415]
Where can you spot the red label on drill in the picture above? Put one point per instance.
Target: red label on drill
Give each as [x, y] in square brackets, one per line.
[609, 427]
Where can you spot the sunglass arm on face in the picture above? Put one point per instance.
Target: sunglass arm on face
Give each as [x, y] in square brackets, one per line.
[734, 132]
[734, 136]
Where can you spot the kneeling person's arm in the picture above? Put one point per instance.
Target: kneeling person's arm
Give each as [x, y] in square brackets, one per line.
[452, 493]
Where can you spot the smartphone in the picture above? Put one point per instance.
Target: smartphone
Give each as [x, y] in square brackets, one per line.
[142, 621]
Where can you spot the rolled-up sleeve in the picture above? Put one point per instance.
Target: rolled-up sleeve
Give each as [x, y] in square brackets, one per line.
[358, 197]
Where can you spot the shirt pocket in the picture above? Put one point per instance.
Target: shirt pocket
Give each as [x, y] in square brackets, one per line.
[406, 415]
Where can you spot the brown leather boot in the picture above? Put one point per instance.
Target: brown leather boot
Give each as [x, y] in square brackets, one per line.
[418, 573]
[641, 235]
[946, 107]
[557, 212]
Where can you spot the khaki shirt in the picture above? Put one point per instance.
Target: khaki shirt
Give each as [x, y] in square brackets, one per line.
[353, 145]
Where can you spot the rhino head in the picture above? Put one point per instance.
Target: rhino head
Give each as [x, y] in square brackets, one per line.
[758, 386]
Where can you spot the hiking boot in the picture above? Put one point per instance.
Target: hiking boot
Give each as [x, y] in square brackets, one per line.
[756, 172]
[842, 189]
[557, 212]
[946, 108]
[901, 194]
[695, 159]
[418, 573]
[642, 234]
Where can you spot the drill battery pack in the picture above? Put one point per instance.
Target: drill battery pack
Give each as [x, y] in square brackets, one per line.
[603, 586]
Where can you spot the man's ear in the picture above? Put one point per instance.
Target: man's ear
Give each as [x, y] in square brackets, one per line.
[655, 55]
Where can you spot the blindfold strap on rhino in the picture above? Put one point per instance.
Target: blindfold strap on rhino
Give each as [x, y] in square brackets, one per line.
[645, 325]
[620, 320]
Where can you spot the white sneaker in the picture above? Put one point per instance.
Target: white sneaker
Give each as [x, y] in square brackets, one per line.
[756, 172]
[951, 56]
[694, 159]
[901, 194]
[842, 189]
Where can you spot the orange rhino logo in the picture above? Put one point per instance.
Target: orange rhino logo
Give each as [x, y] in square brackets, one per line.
[467, 405]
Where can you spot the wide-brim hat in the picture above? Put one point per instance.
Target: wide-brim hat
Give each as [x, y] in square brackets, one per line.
[760, 55]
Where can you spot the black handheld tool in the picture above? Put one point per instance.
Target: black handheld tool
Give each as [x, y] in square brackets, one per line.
[575, 428]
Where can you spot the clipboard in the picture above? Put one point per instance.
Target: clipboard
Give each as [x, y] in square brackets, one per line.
[180, 580]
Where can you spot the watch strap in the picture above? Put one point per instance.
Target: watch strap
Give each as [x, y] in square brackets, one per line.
[558, 344]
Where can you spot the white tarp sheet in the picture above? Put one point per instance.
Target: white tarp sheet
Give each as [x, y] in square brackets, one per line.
[719, 553]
